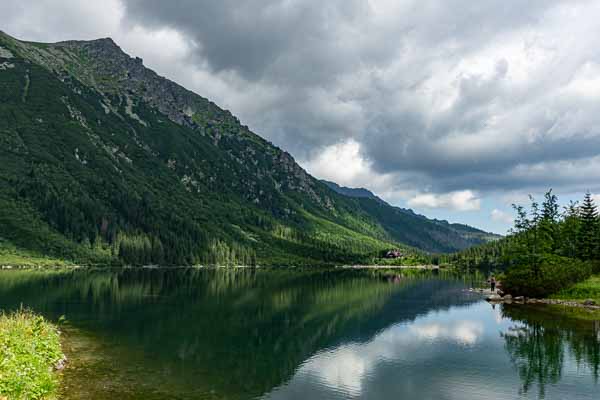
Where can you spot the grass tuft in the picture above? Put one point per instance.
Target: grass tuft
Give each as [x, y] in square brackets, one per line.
[29, 350]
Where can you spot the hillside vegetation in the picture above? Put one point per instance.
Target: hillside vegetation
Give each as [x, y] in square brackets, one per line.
[548, 252]
[105, 162]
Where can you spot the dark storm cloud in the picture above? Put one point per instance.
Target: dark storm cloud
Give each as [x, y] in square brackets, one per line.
[257, 37]
[380, 72]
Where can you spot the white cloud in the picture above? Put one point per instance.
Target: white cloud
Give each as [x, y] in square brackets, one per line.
[346, 368]
[464, 200]
[501, 216]
[344, 164]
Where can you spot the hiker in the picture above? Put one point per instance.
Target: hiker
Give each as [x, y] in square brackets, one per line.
[493, 284]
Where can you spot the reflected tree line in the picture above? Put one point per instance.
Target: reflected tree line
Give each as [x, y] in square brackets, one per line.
[540, 342]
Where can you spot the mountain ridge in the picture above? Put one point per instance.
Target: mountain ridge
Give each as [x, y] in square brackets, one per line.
[463, 230]
[116, 162]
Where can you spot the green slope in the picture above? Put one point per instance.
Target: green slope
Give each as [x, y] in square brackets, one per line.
[104, 161]
[414, 229]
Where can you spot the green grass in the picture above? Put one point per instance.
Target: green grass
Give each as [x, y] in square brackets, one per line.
[12, 256]
[588, 289]
[29, 349]
[575, 313]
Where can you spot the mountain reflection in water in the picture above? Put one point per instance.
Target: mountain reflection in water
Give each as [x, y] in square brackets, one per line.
[297, 334]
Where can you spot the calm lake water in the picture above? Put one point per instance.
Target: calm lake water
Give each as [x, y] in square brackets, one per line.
[268, 334]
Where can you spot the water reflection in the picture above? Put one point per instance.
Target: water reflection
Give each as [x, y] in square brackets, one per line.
[543, 342]
[243, 334]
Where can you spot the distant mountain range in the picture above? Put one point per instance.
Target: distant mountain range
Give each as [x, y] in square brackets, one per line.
[104, 161]
[353, 192]
[415, 229]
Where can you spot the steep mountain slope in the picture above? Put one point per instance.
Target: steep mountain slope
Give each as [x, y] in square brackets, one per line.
[103, 160]
[353, 192]
[415, 229]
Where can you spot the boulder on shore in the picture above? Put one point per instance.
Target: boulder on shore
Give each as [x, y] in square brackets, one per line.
[589, 302]
[494, 298]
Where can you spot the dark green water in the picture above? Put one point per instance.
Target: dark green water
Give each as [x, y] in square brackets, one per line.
[245, 334]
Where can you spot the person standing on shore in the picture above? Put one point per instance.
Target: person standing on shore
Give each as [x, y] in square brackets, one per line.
[493, 284]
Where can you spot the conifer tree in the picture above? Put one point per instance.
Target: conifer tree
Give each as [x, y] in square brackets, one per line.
[569, 231]
[588, 232]
[548, 224]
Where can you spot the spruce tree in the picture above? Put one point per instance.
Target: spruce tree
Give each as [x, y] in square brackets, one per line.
[588, 232]
[549, 223]
[569, 231]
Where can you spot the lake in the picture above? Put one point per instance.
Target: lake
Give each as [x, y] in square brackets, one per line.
[302, 334]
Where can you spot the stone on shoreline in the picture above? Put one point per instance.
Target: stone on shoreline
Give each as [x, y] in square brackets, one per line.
[494, 298]
[589, 302]
[60, 364]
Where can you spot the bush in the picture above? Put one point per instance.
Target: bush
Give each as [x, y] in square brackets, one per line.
[29, 350]
[555, 274]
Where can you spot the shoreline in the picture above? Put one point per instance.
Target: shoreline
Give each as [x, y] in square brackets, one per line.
[358, 267]
[495, 298]
[415, 267]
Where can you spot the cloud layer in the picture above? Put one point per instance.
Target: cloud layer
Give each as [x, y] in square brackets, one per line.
[463, 95]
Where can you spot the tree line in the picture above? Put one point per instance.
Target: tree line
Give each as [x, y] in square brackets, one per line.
[548, 248]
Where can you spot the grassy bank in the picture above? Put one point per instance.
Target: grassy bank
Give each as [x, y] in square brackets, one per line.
[588, 289]
[12, 256]
[29, 350]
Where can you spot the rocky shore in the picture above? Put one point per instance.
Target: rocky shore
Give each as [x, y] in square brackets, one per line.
[497, 297]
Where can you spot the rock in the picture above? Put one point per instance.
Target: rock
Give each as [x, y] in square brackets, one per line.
[532, 301]
[500, 292]
[494, 298]
[508, 297]
[519, 298]
[589, 302]
[60, 364]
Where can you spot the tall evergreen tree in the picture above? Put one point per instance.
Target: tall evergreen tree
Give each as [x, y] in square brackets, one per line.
[569, 231]
[588, 232]
[548, 226]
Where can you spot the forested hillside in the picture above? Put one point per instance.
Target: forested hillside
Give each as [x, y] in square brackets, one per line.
[104, 161]
[415, 229]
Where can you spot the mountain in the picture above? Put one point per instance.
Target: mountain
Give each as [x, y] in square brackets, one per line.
[104, 161]
[415, 229]
[352, 192]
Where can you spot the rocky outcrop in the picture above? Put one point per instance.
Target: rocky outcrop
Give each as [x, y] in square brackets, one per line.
[124, 82]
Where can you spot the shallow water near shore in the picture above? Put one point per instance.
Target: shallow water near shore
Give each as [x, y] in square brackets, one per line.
[301, 334]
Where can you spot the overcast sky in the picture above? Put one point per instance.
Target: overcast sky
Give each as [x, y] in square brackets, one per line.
[455, 108]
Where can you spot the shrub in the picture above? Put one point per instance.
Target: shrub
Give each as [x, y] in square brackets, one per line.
[555, 274]
[29, 349]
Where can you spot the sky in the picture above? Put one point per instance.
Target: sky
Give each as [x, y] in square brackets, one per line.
[454, 108]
